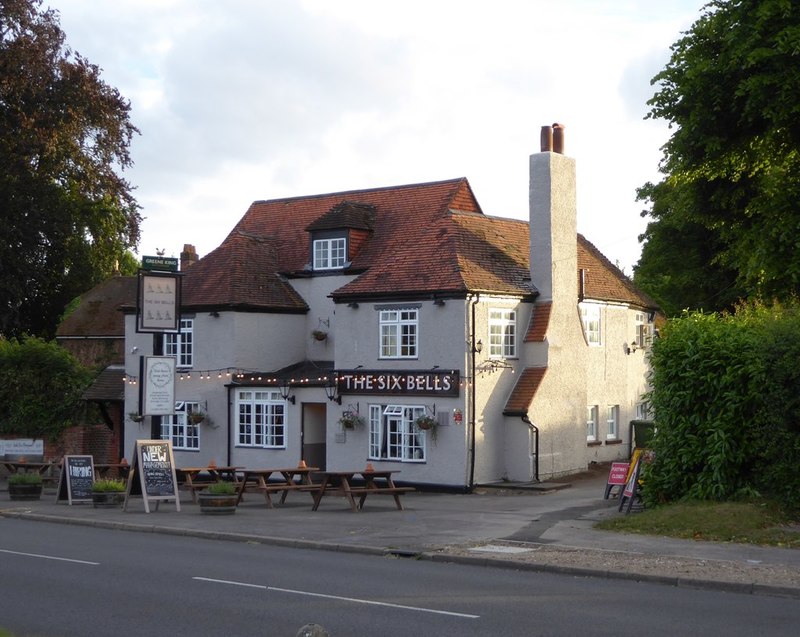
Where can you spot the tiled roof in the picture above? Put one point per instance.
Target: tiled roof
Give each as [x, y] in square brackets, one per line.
[348, 214]
[522, 395]
[606, 282]
[108, 385]
[418, 239]
[242, 273]
[540, 319]
[97, 314]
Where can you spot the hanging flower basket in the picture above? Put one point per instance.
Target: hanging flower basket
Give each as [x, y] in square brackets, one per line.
[319, 335]
[350, 420]
[196, 417]
[428, 424]
[135, 417]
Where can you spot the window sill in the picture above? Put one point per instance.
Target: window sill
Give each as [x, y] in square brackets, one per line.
[614, 441]
[593, 443]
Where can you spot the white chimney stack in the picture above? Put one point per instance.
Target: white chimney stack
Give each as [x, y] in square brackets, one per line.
[553, 221]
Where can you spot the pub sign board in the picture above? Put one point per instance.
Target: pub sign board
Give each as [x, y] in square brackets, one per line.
[158, 302]
[163, 264]
[406, 383]
[77, 478]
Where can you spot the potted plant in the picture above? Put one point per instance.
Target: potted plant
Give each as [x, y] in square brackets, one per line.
[350, 420]
[219, 498]
[108, 493]
[427, 423]
[25, 486]
[319, 335]
[135, 416]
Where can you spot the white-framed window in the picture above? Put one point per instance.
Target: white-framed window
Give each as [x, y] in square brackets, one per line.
[590, 315]
[591, 423]
[330, 254]
[182, 432]
[181, 345]
[260, 419]
[612, 423]
[393, 436]
[643, 411]
[399, 333]
[644, 330]
[502, 333]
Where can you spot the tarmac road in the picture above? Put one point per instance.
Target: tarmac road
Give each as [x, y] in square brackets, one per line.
[546, 527]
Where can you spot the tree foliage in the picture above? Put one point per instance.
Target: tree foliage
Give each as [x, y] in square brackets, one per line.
[727, 407]
[726, 216]
[41, 385]
[67, 215]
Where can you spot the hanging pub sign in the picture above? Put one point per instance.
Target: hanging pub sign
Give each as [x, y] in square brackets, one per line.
[409, 383]
[157, 386]
[158, 302]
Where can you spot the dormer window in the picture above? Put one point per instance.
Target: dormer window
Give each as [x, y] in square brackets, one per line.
[330, 254]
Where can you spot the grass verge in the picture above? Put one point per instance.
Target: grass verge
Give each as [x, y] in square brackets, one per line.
[742, 522]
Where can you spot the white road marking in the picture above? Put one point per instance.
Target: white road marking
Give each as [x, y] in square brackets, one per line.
[50, 557]
[337, 597]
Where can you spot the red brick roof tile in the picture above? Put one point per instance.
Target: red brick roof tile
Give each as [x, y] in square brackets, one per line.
[540, 320]
[522, 395]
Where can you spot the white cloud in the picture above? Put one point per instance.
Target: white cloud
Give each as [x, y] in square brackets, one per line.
[247, 100]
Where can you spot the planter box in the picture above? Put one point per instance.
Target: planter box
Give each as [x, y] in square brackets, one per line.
[24, 491]
[217, 504]
[107, 499]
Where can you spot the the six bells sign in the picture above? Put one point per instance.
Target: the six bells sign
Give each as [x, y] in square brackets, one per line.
[413, 383]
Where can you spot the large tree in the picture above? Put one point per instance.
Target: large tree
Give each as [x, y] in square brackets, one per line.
[725, 219]
[66, 214]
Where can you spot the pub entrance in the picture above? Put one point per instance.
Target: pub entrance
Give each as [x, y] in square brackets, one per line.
[313, 435]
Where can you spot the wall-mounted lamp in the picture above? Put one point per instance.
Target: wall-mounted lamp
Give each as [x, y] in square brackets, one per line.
[353, 304]
[477, 348]
[134, 349]
[630, 349]
[215, 314]
[284, 389]
[439, 302]
[330, 392]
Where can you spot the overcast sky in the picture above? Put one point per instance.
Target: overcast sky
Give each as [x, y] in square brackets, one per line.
[245, 100]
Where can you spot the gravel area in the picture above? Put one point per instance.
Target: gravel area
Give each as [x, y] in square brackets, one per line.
[610, 563]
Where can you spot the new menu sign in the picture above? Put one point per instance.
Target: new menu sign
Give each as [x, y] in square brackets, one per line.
[411, 383]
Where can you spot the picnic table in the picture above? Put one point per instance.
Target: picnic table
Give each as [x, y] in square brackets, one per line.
[340, 483]
[198, 478]
[49, 471]
[291, 479]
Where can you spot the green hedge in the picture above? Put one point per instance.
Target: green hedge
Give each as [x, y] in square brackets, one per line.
[725, 394]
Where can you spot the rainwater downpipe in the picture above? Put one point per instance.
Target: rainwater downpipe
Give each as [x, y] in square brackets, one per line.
[535, 431]
[473, 400]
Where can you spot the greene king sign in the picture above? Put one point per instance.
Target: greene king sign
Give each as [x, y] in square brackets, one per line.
[412, 383]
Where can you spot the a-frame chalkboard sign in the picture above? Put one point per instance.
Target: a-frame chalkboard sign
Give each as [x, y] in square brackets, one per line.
[77, 477]
[152, 474]
[629, 493]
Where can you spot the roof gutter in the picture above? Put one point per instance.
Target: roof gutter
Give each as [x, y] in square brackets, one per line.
[535, 431]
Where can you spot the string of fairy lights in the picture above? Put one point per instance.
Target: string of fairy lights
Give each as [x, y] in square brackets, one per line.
[230, 374]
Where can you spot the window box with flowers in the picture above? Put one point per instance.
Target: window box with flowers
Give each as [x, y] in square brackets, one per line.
[428, 424]
[350, 420]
